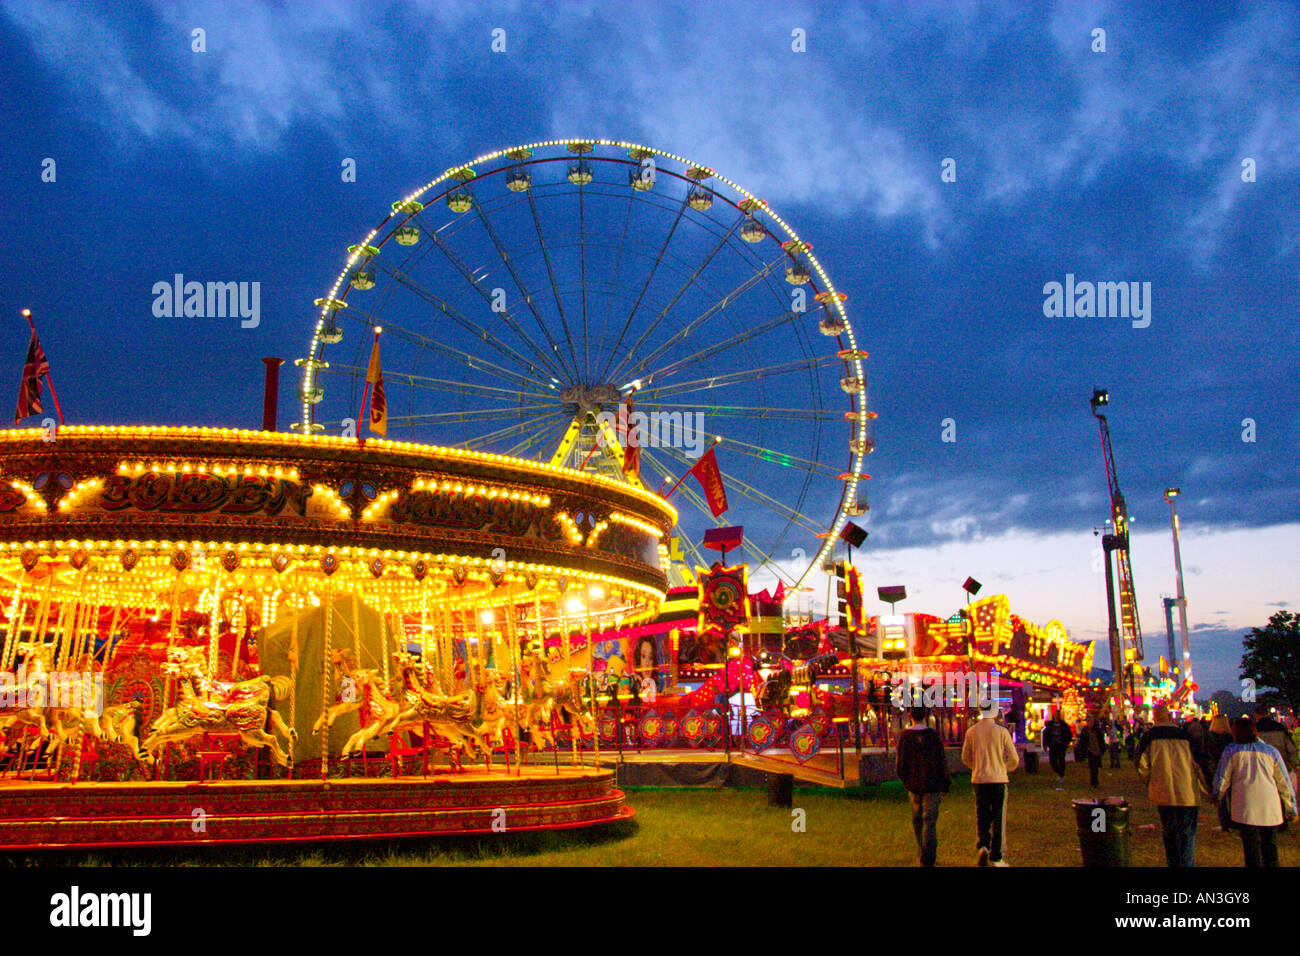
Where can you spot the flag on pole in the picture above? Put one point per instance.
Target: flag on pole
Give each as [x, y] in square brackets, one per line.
[378, 402]
[710, 478]
[29, 389]
[631, 440]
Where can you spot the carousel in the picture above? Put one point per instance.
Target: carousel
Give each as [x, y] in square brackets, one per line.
[222, 635]
[217, 635]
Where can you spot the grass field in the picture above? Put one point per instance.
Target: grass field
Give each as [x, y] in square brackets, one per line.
[736, 827]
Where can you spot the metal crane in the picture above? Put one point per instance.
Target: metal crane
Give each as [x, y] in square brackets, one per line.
[1130, 642]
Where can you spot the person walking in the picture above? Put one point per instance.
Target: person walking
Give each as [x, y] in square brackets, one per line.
[922, 767]
[1092, 740]
[1057, 738]
[1112, 742]
[990, 753]
[1196, 733]
[1216, 742]
[1167, 765]
[1275, 735]
[1253, 777]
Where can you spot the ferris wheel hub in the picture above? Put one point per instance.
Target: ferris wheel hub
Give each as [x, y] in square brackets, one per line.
[591, 399]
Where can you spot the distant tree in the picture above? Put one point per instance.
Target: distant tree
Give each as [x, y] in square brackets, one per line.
[1230, 704]
[1272, 659]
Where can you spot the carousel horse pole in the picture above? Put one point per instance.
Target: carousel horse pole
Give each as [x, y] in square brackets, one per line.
[325, 674]
[293, 665]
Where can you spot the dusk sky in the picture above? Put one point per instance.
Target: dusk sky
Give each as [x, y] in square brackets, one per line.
[1169, 158]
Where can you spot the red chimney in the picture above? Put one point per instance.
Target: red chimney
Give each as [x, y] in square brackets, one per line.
[271, 394]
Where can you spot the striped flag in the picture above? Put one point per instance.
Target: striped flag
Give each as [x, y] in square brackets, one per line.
[29, 390]
[378, 401]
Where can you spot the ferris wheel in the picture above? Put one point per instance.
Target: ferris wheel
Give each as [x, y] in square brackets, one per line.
[528, 294]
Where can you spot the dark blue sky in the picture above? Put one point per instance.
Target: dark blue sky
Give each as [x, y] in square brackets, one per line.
[1122, 165]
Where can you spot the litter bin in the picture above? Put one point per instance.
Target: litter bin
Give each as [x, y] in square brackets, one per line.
[780, 789]
[1031, 761]
[1103, 831]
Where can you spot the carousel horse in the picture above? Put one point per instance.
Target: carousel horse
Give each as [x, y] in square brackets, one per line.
[246, 709]
[384, 711]
[33, 693]
[563, 688]
[451, 718]
[119, 723]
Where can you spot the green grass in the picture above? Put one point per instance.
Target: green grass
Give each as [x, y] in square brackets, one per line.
[736, 827]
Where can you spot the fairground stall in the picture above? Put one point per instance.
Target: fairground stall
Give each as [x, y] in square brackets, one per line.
[713, 675]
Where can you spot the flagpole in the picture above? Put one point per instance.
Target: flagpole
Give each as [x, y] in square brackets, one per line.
[365, 394]
[717, 440]
[49, 379]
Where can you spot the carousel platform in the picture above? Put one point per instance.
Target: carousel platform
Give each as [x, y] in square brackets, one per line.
[57, 816]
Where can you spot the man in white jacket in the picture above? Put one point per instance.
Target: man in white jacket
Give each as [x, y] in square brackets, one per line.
[991, 755]
[1252, 775]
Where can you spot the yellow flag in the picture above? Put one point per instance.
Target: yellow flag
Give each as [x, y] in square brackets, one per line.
[378, 402]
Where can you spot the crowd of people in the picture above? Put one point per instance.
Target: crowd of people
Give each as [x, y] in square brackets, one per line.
[1247, 767]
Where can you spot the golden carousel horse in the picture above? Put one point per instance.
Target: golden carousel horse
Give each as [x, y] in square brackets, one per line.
[455, 719]
[246, 709]
[384, 710]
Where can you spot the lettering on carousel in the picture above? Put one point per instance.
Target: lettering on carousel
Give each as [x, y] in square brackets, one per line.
[450, 509]
[204, 494]
[628, 543]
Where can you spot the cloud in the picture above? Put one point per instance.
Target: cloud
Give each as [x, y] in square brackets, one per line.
[858, 124]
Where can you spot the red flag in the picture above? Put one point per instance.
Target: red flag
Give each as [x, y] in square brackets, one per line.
[631, 440]
[378, 401]
[710, 478]
[29, 389]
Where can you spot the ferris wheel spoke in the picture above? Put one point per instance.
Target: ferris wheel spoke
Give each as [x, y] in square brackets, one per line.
[509, 263]
[618, 268]
[514, 378]
[539, 437]
[751, 411]
[681, 210]
[686, 330]
[783, 459]
[685, 286]
[755, 495]
[477, 285]
[447, 385]
[510, 430]
[582, 278]
[555, 285]
[731, 378]
[717, 348]
[471, 327]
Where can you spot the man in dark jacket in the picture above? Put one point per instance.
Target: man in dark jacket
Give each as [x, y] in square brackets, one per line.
[1275, 735]
[922, 767]
[1056, 741]
[1092, 741]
